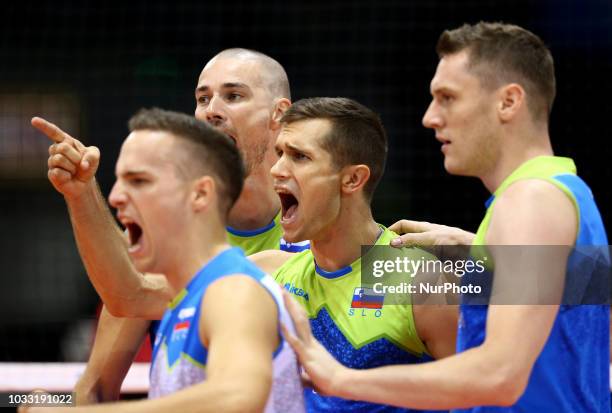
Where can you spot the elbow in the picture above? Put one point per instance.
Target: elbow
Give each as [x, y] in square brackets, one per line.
[243, 404]
[507, 386]
[247, 397]
[141, 304]
[119, 309]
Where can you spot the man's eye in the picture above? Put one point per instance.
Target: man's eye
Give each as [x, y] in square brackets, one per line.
[138, 181]
[203, 99]
[299, 156]
[233, 97]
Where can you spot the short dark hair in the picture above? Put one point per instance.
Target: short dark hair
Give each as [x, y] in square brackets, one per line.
[210, 151]
[501, 52]
[357, 135]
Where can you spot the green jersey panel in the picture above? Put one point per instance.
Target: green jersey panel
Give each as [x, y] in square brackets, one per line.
[269, 237]
[358, 337]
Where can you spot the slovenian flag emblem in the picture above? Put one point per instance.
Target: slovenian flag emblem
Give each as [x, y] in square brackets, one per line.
[182, 326]
[367, 298]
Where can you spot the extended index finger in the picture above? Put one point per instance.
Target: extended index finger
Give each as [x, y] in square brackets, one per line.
[51, 130]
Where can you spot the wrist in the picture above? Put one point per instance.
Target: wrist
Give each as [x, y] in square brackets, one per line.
[339, 384]
[86, 202]
[461, 237]
[89, 191]
[468, 238]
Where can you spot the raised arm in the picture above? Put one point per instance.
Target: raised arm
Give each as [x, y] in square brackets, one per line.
[101, 243]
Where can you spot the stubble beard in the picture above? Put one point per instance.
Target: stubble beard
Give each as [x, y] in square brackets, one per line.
[254, 155]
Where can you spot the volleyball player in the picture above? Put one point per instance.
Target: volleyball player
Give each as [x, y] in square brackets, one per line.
[177, 179]
[493, 91]
[332, 153]
[242, 93]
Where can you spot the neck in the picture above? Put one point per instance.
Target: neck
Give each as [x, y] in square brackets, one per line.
[517, 150]
[340, 244]
[258, 204]
[199, 246]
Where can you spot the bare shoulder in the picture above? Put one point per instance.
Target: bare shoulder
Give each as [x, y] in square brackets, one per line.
[240, 287]
[533, 211]
[226, 300]
[270, 260]
[533, 190]
[237, 290]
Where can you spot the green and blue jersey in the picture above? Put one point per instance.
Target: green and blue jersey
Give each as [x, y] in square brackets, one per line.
[572, 372]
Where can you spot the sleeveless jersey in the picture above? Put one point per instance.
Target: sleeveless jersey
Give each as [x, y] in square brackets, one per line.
[359, 332]
[179, 358]
[269, 237]
[572, 372]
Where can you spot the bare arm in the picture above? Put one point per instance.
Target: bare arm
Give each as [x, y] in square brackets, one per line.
[435, 314]
[102, 246]
[117, 342]
[270, 260]
[436, 325]
[240, 347]
[494, 373]
[425, 234]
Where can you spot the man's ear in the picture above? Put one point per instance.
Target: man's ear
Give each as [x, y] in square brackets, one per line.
[204, 193]
[354, 178]
[280, 108]
[511, 101]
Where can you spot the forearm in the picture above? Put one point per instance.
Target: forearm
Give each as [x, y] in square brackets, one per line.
[227, 396]
[472, 378]
[116, 344]
[86, 390]
[88, 387]
[465, 238]
[103, 249]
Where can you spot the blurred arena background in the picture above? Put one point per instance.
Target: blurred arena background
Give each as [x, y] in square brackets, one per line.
[89, 67]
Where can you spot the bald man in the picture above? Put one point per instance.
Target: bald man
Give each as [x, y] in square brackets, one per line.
[243, 93]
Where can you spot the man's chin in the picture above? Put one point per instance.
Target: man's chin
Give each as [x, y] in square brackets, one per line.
[453, 167]
[294, 236]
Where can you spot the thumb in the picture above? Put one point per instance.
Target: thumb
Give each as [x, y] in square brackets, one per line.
[90, 160]
[405, 226]
[420, 239]
[305, 379]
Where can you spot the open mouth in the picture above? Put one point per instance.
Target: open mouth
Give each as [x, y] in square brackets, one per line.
[134, 236]
[442, 140]
[229, 135]
[289, 205]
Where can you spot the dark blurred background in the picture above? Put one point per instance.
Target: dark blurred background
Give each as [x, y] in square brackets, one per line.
[89, 67]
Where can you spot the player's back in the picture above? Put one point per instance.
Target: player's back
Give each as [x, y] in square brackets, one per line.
[179, 358]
